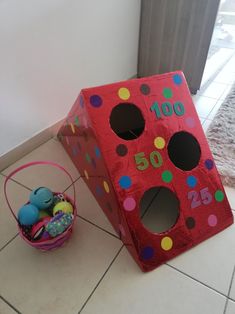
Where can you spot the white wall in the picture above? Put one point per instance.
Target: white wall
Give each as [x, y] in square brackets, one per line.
[50, 49]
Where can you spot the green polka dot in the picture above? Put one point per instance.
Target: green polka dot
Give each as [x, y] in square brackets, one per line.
[167, 92]
[219, 196]
[76, 121]
[167, 176]
[88, 158]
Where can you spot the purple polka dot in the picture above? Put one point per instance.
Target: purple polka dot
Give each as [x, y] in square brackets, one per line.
[212, 220]
[190, 122]
[96, 101]
[81, 101]
[129, 204]
[209, 164]
[93, 163]
[147, 253]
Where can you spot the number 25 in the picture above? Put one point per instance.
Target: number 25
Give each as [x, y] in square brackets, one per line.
[205, 197]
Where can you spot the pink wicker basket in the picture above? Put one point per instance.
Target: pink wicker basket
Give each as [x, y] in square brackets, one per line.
[58, 241]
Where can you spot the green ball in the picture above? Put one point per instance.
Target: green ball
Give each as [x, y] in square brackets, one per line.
[64, 207]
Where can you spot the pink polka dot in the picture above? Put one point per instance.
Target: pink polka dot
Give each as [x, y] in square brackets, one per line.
[129, 203]
[190, 122]
[122, 230]
[212, 220]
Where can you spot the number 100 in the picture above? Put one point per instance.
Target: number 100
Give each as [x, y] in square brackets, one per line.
[167, 109]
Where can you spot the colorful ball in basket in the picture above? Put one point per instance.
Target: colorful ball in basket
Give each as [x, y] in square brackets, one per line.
[34, 234]
[38, 232]
[28, 215]
[64, 207]
[41, 197]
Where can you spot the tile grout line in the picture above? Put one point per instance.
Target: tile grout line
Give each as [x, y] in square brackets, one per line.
[229, 290]
[196, 280]
[9, 304]
[5, 245]
[95, 225]
[101, 279]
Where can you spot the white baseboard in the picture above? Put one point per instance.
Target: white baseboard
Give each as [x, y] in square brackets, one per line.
[26, 147]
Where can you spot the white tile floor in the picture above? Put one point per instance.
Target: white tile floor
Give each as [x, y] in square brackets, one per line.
[94, 273]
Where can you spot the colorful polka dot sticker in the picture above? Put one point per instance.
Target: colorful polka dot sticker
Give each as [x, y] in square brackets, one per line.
[209, 164]
[88, 158]
[93, 162]
[145, 89]
[129, 204]
[76, 121]
[121, 150]
[147, 253]
[96, 101]
[67, 140]
[81, 101]
[167, 92]
[75, 151]
[97, 152]
[190, 222]
[72, 127]
[86, 174]
[190, 122]
[124, 93]
[167, 176]
[177, 79]
[219, 196]
[212, 220]
[166, 243]
[106, 187]
[159, 142]
[99, 190]
[191, 181]
[125, 182]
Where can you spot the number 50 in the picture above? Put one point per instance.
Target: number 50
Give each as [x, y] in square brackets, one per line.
[143, 163]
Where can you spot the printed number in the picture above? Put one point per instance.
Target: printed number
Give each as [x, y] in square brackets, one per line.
[204, 197]
[143, 163]
[167, 109]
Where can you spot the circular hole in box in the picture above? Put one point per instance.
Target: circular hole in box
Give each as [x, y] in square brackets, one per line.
[159, 209]
[184, 150]
[127, 121]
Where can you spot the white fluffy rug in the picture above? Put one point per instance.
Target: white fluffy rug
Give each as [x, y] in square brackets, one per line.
[221, 137]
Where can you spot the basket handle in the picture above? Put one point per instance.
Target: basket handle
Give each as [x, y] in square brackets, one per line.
[30, 164]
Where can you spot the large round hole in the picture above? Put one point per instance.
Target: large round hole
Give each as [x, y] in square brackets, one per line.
[184, 150]
[127, 121]
[159, 209]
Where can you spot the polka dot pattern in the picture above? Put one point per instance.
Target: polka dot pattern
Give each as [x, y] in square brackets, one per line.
[86, 174]
[145, 89]
[125, 182]
[177, 79]
[122, 230]
[166, 243]
[167, 176]
[190, 122]
[212, 220]
[167, 93]
[219, 196]
[159, 142]
[96, 101]
[81, 101]
[190, 222]
[88, 158]
[147, 253]
[129, 204]
[121, 150]
[97, 152]
[99, 190]
[123, 93]
[106, 187]
[209, 164]
[191, 181]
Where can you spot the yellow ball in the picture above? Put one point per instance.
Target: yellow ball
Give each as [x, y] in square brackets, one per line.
[64, 207]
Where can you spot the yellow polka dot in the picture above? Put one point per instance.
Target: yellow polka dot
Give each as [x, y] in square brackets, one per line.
[123, 93]
[72, 127]
[159, 142]
[106, 187]
[166, 243]
[86, 174]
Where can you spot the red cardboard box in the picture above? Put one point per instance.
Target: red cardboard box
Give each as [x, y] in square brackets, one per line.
[139, 137]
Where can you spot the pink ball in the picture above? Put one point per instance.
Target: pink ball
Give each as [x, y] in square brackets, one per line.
[38, 232]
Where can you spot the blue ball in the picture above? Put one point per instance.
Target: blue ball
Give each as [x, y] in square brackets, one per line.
[28, 215]
[42, 198]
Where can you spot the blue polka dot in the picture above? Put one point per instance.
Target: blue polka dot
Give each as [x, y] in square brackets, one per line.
[97, 152]
[177, 79]
[209, 164]
[125, 182]
[99, 190]
[96, 101]
[191, 181]
[75, 150]
[147, 253]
